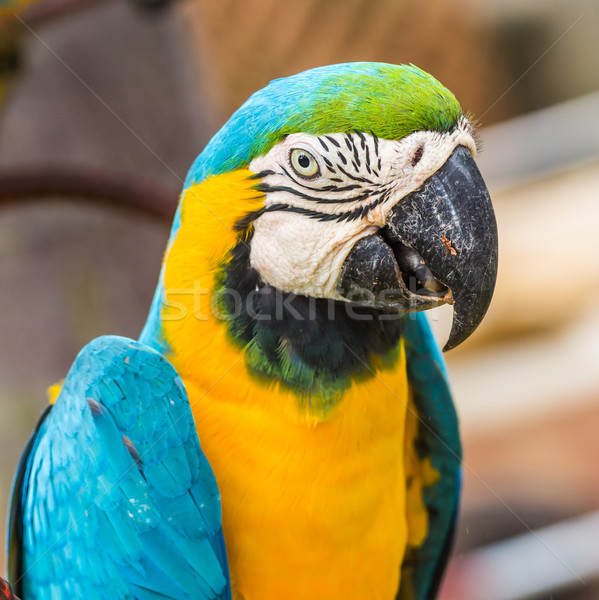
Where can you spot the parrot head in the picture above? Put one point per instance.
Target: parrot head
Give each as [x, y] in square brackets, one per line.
[368, 193]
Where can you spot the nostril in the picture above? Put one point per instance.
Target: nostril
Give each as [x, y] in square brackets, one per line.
[417, 155]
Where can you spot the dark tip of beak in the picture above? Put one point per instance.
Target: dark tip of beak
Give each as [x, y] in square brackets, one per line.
[450, 223]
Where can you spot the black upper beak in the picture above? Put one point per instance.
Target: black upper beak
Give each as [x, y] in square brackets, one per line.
[439, 246]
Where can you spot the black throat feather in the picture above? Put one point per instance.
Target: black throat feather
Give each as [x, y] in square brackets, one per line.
[314, 346]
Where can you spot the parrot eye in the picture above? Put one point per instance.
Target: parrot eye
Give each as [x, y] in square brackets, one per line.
[303, 163]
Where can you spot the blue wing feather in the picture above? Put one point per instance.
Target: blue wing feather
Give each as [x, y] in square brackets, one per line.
[439, 437]
[116, 498]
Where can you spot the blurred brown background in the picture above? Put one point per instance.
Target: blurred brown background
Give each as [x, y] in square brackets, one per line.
[135, 90]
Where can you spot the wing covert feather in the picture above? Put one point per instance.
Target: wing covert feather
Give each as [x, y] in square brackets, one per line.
[117, 498]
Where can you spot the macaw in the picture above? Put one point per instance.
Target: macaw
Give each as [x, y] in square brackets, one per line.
[283, 427]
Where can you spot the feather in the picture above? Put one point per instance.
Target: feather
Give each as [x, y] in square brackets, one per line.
[107, 498]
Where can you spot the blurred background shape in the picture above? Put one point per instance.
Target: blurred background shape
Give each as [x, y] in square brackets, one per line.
[120, 96]
[242, 45]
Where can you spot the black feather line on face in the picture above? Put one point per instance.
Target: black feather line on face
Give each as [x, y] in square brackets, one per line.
[355, 177]
[329, 165]
[362, 138]
[356, 159]
[376, 142]
[333, 141]
[375, 139]
[261, 174]
[349, 215]
[367, 160]
[243, 225]
[342, 158]
[267, 189]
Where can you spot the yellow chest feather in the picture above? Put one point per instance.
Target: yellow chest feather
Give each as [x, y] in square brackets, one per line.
[311, 511]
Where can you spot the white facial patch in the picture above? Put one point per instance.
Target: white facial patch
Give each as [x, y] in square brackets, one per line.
[311, 223]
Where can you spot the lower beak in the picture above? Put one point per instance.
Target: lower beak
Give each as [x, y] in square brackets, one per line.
[439, 246]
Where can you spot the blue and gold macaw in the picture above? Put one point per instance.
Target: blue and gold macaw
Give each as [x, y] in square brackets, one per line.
[285, 337]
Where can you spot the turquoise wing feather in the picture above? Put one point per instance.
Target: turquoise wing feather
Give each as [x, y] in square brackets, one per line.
[439, 438]
[115, 497]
